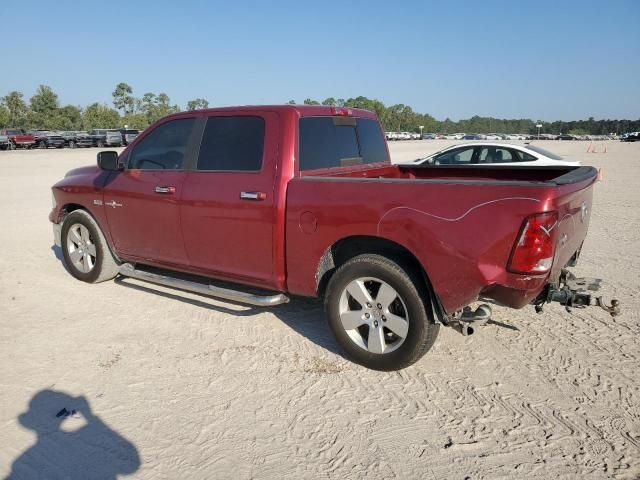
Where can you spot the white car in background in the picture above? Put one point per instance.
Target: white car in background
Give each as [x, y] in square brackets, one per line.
[499, 154]
[516, 136]
[454, 136]
[492, 136]
[415, 136]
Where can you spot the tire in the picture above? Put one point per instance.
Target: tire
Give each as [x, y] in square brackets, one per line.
[96, 268]
[389, 338]
[12, 146]
[100, 144]
[42, 144]
[72, 144]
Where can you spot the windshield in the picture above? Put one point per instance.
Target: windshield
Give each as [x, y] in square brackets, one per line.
[544, 152]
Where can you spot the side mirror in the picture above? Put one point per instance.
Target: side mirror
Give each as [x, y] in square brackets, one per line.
[108, 160]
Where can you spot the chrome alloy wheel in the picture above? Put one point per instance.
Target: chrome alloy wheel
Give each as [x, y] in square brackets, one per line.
[81, 249]
[373, 315]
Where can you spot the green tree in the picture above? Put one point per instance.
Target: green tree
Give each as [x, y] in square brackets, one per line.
[5, 116]
[68, 117]
[17, 108]
[99, 115]
[197, 104]
[291, 102]
[43, 107]
[123, 98]
[309, 101]
[136, 120]
[330, 102]
[157, 106]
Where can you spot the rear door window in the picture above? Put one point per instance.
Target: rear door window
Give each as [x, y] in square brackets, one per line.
[164, 148]
[232, 144]
[326, 142]
[496, 155]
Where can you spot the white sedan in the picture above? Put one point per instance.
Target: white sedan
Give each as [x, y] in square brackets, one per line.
[503, 154]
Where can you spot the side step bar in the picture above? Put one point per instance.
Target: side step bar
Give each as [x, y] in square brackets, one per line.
[129, 270]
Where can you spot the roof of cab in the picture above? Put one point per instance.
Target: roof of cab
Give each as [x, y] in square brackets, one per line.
[303, 110]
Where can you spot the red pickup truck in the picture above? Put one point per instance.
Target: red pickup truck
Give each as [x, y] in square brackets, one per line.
[18, 138]
[303, 200]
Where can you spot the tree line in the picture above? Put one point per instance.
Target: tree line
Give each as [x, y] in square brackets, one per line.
[43, 110]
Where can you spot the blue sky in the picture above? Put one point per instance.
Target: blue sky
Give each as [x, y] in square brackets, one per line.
[542, 59]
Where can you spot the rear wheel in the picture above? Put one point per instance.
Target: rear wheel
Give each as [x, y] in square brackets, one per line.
[42, 144]
[377, 311]
[100, 144]
[72, 144]
[85, 250]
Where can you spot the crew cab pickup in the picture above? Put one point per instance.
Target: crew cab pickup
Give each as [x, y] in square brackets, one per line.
[303, 200]
[18, 138]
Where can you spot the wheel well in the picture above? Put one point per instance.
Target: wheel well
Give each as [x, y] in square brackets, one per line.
[347, 248]
[68, 208]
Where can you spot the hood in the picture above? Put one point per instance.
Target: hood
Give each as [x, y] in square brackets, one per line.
[88, 170]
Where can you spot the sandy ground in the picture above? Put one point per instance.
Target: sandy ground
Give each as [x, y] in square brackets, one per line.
[161, 384]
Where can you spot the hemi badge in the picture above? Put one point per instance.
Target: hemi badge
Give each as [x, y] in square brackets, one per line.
[97, 202]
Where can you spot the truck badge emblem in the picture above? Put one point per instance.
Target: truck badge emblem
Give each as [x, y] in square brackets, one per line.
[113, 204]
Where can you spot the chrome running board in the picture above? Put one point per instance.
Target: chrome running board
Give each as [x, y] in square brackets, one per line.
[129, 270]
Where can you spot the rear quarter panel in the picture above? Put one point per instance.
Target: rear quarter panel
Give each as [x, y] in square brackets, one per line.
[462, 234]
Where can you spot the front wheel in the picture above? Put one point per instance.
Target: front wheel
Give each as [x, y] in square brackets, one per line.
[85, 250]
[379, 314]
[72, 144]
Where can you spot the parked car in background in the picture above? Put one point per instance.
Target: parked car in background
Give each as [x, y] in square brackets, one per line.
[493, 136]
[630, 137]
[394, 251]
[498, 154]
[104, 137]
[565, 136]
[516, 136]
[47, 138]
[429, 136]
[4, 142]
[128, 135]
[18, 138]
[415, 136]
[75, 139]
[473, 136]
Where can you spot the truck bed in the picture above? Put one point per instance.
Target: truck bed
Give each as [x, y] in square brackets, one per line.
[459, 222]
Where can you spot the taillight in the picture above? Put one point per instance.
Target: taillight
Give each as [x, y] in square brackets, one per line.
[534, 249]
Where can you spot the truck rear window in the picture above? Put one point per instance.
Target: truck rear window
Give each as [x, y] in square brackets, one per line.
[340, 141]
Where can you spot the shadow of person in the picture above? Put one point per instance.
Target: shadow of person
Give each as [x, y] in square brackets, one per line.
[72, 442]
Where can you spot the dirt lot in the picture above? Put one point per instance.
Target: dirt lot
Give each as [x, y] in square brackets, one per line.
[172, 385]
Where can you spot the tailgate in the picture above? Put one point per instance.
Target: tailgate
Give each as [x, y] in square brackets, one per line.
[573, 201]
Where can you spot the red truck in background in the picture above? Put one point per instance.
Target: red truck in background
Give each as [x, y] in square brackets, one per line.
[303, 200]
[18, 138]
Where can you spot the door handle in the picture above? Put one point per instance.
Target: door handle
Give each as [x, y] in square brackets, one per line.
[253, 196]
[166, 190]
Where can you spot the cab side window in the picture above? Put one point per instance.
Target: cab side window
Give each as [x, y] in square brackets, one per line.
[164, 148]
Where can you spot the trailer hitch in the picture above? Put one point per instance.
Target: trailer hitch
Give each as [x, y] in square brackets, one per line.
[573, 292]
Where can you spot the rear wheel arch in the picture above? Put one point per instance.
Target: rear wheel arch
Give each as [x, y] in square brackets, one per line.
[349, 247]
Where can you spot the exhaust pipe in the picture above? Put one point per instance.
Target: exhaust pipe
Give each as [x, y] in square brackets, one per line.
[128, 270]
[463, 328]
